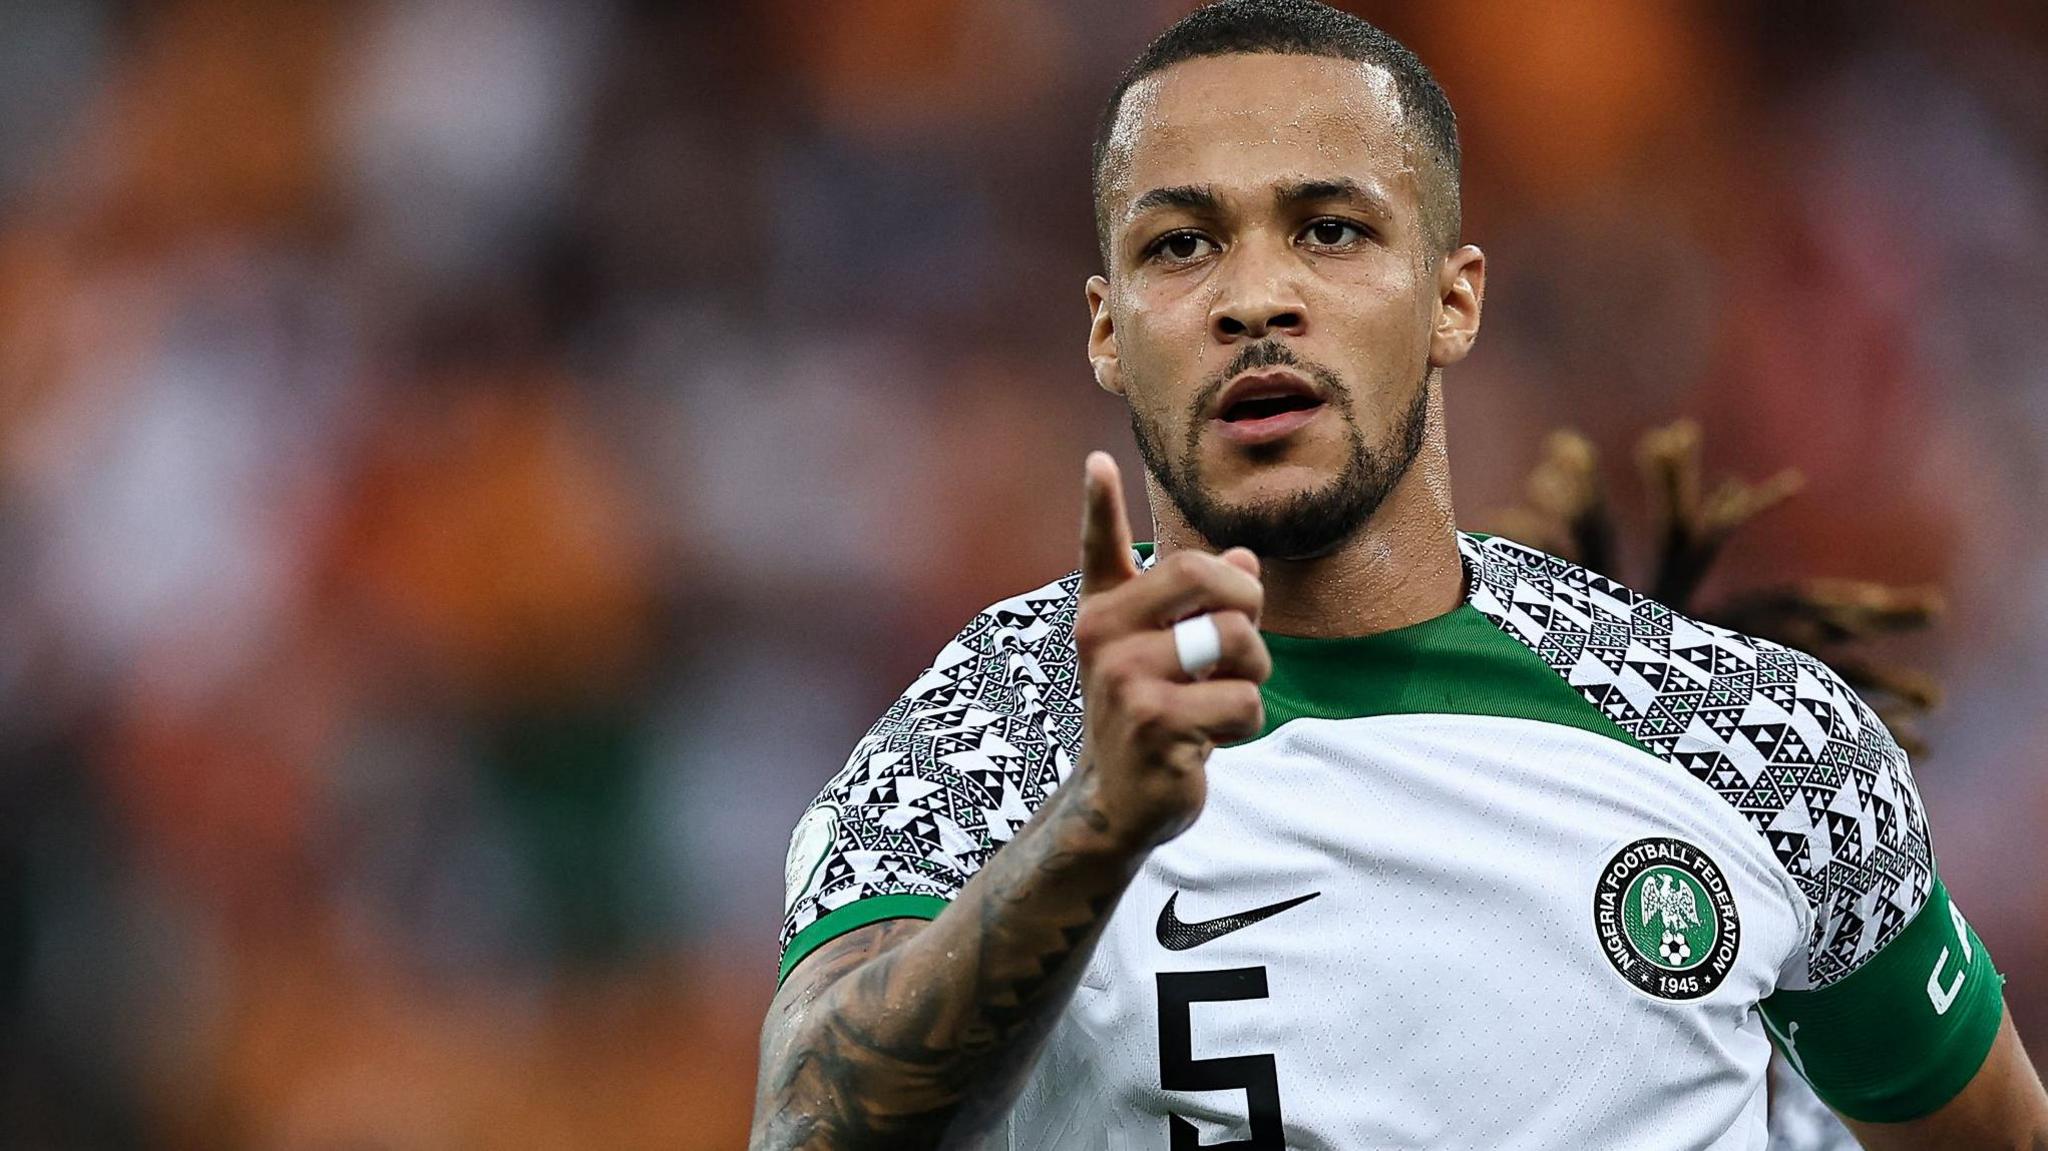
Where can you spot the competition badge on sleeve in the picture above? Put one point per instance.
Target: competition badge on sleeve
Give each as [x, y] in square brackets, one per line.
[809, 844]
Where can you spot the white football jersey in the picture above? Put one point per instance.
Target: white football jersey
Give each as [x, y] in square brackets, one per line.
[1553, 870]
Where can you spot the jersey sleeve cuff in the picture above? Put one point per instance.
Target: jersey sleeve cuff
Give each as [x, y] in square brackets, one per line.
[855, 915]
[1904, 1033]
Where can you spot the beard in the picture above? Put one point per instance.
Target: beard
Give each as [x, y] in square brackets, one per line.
[1298, 526]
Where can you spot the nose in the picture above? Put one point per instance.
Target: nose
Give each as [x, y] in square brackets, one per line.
[1256, 299]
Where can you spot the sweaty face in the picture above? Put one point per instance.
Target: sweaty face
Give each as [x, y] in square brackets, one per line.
[1270, 297]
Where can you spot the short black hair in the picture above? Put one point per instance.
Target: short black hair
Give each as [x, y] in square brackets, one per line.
[1303, 28]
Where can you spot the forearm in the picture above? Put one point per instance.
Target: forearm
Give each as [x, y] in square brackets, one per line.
[924, 1039]
[927, 1042]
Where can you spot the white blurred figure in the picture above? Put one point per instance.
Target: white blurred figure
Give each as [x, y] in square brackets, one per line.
[461, 127]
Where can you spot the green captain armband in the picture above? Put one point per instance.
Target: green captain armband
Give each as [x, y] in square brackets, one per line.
[1903, 1034]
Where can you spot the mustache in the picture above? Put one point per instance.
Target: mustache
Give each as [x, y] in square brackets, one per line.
[1268, 353]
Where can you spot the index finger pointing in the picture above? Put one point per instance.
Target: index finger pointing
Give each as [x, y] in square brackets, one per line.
[1105, 530]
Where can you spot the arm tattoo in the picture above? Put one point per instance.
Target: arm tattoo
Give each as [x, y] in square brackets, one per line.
[916, 1035]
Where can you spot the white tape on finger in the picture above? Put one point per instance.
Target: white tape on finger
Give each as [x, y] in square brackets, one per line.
[1198, 644]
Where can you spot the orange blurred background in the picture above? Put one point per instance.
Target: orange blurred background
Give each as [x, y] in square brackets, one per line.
[469, 470]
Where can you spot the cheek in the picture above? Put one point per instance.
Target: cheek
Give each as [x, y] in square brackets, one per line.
[1163, 349]
[1386, 315]
[1167, 312]
[1386, 285]
[1386, 340]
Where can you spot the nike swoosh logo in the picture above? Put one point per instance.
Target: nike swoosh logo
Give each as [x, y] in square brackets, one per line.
[1177, 936]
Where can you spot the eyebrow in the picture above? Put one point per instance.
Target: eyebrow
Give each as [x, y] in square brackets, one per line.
[1201, 198]
[1192, 197]
[1341, 188]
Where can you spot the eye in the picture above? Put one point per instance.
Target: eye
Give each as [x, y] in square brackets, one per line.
[1331, 232]
[1181, 247]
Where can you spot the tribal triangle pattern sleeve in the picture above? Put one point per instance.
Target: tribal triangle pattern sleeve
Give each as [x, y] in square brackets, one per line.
[1892, 1004]
[947, 775]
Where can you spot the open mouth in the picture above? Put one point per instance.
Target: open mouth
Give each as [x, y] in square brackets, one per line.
[1265, 407]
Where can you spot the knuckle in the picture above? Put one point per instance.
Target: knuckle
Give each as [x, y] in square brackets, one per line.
[1120, 669]
[1178, 568]
[1109, 683]
[1260, 658]
[1087, 636]
[1249, 700]
[1114, 671]
[1243, 589]
[1247, 712]
[1243, 646]
[1229, 585]
[1212, 578]
[1092, 629]
[1237, 632]
[1143, 707]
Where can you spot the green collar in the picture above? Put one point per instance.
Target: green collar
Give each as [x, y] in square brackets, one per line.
[1456, 664]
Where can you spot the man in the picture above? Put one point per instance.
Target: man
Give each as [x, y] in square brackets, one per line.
[1380, 835]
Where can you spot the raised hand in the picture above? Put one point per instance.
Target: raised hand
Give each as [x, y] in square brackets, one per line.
[1150, 722]
[902, 1035]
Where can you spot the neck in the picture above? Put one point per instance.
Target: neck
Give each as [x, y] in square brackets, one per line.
[1401, 568]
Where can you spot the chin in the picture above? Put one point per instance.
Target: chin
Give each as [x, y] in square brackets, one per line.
[1272, 484]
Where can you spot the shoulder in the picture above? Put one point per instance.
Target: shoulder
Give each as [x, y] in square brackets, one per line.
[1773, 730]
[955, 765]
[1737, 708]
[996, 705]
[1010, 654]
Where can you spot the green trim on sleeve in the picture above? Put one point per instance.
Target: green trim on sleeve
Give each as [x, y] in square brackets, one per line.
[860, 913]
[1903, 1034]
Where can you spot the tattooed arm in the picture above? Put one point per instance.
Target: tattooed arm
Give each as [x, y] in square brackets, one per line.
[906, 1035]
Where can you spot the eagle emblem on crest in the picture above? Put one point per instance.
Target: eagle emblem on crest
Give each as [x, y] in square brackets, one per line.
[1675, 901]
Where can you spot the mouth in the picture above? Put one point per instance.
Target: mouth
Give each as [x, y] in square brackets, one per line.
[1261, 407]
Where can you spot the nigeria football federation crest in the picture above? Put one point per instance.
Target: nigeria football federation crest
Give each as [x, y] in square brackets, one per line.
[1666, 918]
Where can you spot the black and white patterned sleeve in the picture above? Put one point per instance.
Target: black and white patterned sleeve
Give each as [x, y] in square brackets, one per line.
[948, 774]
[1851, 830]
[1773, 730]
[1893, 1003]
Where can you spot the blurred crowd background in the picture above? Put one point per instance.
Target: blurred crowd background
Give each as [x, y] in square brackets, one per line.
[469, 470]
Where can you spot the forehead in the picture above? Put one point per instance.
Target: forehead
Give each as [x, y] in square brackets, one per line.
[1249, 121]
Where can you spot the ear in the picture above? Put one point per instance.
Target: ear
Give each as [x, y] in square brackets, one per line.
[1102, 338]
[1460, 289]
